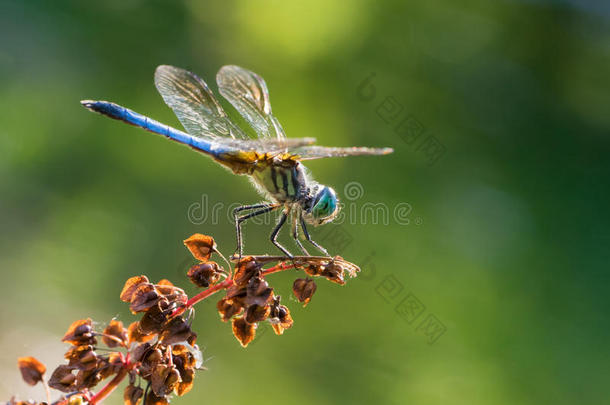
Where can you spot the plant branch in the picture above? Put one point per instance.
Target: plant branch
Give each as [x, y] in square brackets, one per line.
[112, 384]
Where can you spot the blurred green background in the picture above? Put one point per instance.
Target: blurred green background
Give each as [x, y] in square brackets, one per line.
[506, 249]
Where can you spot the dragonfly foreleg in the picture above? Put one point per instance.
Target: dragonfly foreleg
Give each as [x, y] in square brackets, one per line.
[264, 208]
[316, 245]
[275, 232]
[295, 234]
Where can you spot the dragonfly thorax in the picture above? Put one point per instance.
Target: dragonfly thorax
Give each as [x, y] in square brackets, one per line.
[281, 180]
[285, 181]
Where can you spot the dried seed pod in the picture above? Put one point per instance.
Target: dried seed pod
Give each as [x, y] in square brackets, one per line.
[152, 399]
[130, 286]
[132, 395]
[243, 331]
[303, 289]
[82, 357]
[257, 313]
[205, 274]
[31, 369]
[80, 333]
[201, 246]
[62, 379]
[279, 316]
[186, 384]
[150, 360]
[258, 292]
[246, 269]
[227, 308]
[135, 335]
[175, 331]
[164, 379]
[143, 298]
[87, 379]
[154, 319]
[140, 351]
[115, 334]
[334, 272]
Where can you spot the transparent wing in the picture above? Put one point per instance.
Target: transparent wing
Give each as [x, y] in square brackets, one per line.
[264, 145]
[319, 152]
[248, 93]
[194, 104]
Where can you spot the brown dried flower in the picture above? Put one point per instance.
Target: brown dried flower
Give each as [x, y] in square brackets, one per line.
[243, 331]
[132, 395]
[62, 379]
[303, 289]
[159, 350]
[80, 333]
[201, 246]
[130, 287]
[205, 274]
[115, 334]
[31, 369]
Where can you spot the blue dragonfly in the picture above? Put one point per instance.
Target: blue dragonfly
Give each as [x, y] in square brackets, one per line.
[272, 161]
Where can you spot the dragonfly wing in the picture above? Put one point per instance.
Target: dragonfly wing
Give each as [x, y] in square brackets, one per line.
[194, 104]
[248, 93]
[265, 145]
[319, 152]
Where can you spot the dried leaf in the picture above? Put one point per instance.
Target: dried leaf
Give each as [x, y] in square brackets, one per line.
[31, 369]
[201, 246]
[130, 286]
[243, 331]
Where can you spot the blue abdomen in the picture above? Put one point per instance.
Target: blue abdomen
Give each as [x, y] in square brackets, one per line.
[120, 113]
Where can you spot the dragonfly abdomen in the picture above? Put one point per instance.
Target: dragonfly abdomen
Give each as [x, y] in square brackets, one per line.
[128, 116]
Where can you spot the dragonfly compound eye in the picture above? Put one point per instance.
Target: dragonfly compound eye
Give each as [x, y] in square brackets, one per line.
[326, 206]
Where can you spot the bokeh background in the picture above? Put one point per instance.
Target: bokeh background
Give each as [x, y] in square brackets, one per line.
[499, 116]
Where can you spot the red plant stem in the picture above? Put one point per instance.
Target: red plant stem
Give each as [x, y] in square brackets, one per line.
[224, 285]
[203, 295]
[112, 384]
[278, 267]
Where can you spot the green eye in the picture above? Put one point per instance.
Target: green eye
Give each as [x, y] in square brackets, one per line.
[326, 205]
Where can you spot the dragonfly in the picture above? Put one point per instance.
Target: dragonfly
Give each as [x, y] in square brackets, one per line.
[272, 161]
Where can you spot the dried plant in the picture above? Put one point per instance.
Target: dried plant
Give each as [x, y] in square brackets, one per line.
[158, 353]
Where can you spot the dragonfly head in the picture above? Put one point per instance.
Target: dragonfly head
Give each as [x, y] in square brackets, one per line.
[324, 206]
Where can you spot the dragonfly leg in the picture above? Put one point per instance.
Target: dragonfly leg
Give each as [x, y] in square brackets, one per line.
[317, 246]
[295, 235]
[264, 208]
[275, 232]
